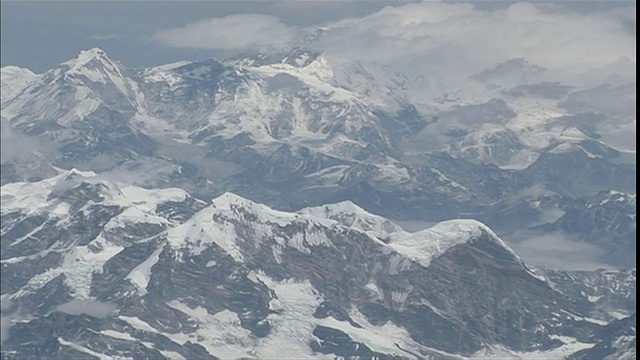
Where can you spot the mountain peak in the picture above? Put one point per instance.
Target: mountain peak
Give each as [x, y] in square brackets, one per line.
[94, 59]
[85, 57]
[14, 80]
[436, 240]
[10, 70]
[231, 198]
[94, 66]
[351, 215]
[297, 57]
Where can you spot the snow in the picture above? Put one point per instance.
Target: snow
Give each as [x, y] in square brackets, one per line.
[102, 71]
[31, 198]
[138, 324]
[141, 275]
[80, 263]
[420, 246]
[202, 230]
[164, 74]
[28, 235]
[148, 199]
[559, 353]
[221, 333]
[131, 216]
[173, 65]
[388, 338]
[594, 298]
[617, 314]
[118, 335]
[430, 243]
[291, 319]
[625, 348]
[86, 350]
[170, 355]
[13, 80]
[316, 77]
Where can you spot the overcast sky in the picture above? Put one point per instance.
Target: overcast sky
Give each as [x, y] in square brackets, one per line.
[568, 37]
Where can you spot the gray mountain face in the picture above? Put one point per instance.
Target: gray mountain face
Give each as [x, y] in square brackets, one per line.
[608, 218]
[93, 268]
[611, 291]
[618, 342]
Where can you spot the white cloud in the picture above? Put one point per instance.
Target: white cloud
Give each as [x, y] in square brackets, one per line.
[16, 146]
[233, 32]
[92, 308]
[558, 250]
[451, 38]
[461, 37]
[102, 37]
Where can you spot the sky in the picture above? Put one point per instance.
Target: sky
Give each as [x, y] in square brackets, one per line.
[40, 34]
[576, 37]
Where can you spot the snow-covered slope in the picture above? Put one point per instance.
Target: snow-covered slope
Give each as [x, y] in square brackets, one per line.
[14, 80]
[94, 267]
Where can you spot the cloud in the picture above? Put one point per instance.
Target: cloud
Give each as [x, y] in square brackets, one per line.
[112, 36]
[558, 250]
[463, 38]
[91, 308]
[443, 38]
[233, 32]
[15, 146]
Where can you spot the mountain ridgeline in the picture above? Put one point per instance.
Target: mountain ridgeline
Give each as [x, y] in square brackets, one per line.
[250, 208]
[97, 268]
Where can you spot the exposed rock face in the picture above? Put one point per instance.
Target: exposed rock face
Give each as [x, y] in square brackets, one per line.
[96, 268]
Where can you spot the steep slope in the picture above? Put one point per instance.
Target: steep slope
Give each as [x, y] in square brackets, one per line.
[84, 104]
[14, 80]
[92, 267]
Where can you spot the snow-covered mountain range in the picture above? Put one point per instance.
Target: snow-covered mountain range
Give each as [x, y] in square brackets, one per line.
[97, 268]
[250, 208]
[296, 129]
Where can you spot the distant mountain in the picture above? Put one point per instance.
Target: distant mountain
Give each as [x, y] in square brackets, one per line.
[608, 219]
[92, 267]
[295, 129]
